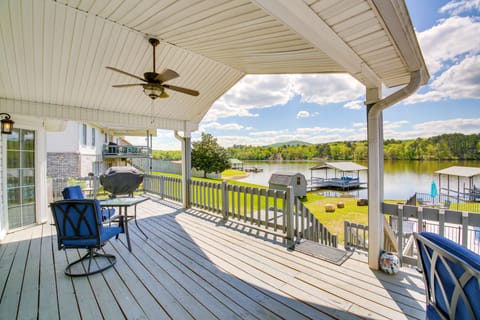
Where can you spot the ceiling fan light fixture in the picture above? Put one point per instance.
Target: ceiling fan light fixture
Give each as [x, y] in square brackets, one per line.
[153, 91]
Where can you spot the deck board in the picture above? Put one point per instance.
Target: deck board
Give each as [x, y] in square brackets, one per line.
[29, 296]
[196, 266]
[331, 278]
[47, 282]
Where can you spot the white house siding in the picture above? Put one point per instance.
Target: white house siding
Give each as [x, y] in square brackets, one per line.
[68, 156]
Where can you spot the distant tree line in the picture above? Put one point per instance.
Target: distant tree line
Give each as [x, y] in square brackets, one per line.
[167, 155]
[444, 147]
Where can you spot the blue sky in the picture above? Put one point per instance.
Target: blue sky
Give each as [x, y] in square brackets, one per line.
[261, 110]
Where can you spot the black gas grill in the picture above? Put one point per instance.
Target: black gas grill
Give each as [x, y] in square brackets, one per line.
[121, 180]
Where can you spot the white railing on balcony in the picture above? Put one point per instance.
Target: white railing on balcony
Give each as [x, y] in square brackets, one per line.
[125, 151]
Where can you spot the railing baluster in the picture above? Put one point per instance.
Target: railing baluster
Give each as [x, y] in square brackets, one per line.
[296, 220]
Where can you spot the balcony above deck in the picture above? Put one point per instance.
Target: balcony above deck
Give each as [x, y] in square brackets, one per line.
[114, 151]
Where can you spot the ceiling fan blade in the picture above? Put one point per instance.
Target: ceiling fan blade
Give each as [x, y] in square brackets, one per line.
[166, 75]
[126, 73]
[182, 90]
[127, 85]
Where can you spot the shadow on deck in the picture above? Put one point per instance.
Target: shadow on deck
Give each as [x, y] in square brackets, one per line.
[196, 266]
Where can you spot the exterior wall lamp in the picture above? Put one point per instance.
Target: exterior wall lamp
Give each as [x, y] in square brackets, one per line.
[7, 124]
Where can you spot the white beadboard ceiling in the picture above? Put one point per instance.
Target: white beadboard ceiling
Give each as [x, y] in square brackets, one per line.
[53, 53]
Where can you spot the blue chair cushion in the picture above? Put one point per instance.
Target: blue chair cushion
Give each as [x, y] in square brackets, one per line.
[82, 223]
[107, 213]
[106, 233]
[457, 250]
[458, 262]
[73, 192]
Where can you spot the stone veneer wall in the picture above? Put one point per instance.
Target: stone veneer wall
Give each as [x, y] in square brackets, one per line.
[63, 165]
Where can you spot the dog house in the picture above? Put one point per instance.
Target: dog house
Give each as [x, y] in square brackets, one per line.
[281, 180]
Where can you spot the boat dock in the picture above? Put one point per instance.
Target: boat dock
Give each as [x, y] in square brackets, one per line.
[343, 183]
[345, 176]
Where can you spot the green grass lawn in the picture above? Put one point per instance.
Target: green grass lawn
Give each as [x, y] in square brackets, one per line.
[334, 220]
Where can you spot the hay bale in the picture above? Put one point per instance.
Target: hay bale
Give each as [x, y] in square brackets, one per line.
[340, 205]
[362, 202]
[329, 207]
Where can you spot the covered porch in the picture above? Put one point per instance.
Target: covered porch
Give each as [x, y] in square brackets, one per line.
[54, 54]
[195, 266]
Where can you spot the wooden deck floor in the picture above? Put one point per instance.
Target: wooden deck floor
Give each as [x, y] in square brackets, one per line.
[196, 267]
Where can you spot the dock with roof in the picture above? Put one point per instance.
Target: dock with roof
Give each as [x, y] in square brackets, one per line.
[344, 175]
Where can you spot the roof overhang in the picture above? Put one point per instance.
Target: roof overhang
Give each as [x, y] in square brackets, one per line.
[460, 171]
[345, 166]
[53, 53]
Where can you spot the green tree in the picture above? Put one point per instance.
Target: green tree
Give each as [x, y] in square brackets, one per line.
[209, 156]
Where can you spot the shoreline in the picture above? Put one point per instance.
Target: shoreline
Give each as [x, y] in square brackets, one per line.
[237, 177]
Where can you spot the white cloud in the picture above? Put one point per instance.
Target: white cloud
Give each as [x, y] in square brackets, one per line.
[449, 41]
[354, 105]
[327, 88]
[456, 7]
[434, 128]
[303, 114]
[252, 92]
[452, 57]
[460, 81]
[219, 126]
[269, 133]
[317, 130]
[437, 127]
[388, 125]
[221, 109]
[255, 92]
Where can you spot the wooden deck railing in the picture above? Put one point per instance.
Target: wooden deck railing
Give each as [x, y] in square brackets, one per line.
[166, 187]
[272, 210]
[355, 235]
[460, 226]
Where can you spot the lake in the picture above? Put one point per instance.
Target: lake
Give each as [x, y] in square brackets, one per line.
[402, 178]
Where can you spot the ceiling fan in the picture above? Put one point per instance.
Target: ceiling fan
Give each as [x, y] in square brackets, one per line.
[154, 85]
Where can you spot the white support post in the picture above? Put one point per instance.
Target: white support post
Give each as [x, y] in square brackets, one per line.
[289, 215]
[186, 166]
[375, 179]
[375, 107]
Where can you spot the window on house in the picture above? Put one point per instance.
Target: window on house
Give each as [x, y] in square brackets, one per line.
[93, 136]
[299, 181]
[84, 134]
[105, 138]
